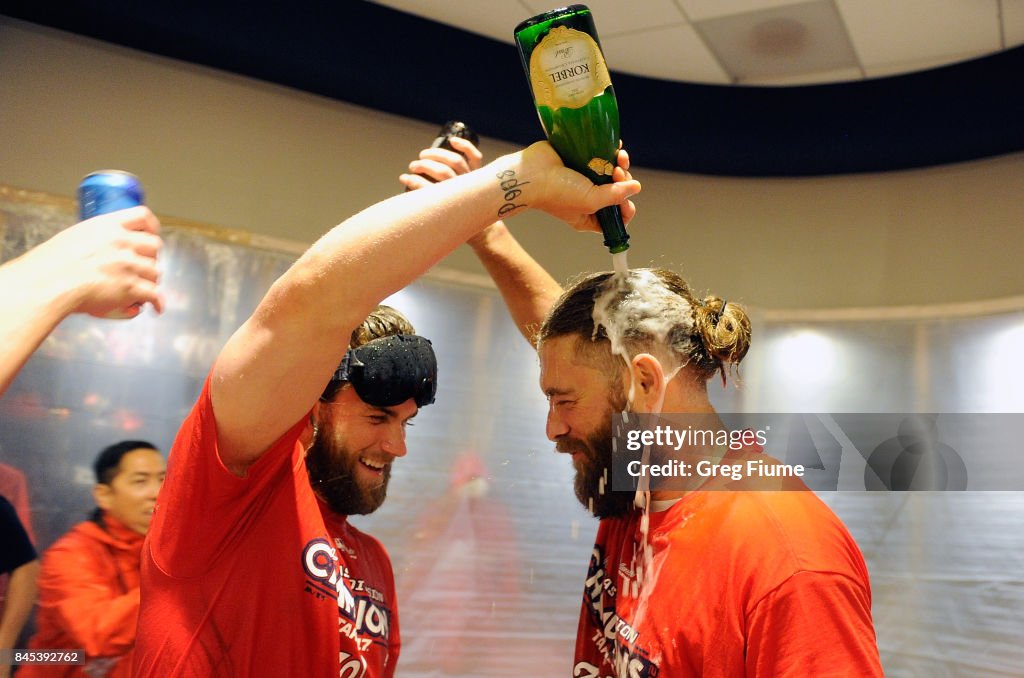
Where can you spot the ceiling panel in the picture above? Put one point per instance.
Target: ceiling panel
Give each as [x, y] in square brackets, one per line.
[674, 53]
[882, 70]
[698, 10]
[651, 38]
[785, 41]
[836, 75]
[887, 32]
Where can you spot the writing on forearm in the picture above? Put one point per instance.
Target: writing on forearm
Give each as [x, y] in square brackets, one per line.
[512, 187]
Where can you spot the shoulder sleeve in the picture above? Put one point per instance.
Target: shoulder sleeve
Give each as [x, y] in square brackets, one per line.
[813, 624]
[203, 508]
[18, 548]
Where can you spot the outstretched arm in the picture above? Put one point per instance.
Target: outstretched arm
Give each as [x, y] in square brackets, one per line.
[101, 265]
[528, 289]
[276, 365]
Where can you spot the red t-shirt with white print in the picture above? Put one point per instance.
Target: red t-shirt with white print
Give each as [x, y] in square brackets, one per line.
[254, 576]
[735, 583]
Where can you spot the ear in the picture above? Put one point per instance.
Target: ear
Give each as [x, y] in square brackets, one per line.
[308, 434]
[102, 494]
[649, 384]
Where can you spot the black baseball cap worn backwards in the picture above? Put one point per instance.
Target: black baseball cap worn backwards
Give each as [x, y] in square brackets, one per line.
[389, 370]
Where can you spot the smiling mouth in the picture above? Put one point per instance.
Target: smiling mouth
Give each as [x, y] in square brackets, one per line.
[377, 467]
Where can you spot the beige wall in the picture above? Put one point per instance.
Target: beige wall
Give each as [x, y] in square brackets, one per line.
[239, 153]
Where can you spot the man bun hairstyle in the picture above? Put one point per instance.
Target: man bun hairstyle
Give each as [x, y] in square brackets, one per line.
[724, 329]
[707, 336]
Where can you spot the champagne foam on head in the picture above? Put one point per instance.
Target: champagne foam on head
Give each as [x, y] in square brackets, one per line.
[636, 304]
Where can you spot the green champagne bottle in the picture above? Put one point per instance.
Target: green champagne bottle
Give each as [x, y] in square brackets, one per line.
[573, 93]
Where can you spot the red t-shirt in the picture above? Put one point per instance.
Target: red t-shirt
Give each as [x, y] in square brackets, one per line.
[253, 576]
[740, 583]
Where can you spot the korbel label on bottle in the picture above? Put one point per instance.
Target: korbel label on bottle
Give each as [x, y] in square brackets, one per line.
[567, 69]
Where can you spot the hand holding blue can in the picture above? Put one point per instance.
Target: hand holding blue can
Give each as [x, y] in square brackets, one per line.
[110, 191]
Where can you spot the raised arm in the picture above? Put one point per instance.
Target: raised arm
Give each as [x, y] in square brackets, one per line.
[275, 366]
[103, 264]
[527, 288]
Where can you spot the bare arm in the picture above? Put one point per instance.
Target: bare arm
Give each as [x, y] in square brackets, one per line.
[21, 596]
[275, 366]
[527, 288]
[97, 266]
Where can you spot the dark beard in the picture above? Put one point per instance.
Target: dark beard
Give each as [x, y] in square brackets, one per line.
[332, 476]
[597, 464]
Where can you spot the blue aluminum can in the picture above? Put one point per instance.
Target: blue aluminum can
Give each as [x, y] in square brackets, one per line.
[108, 191]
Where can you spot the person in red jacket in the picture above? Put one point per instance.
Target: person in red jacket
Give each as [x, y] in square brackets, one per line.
[89, 582]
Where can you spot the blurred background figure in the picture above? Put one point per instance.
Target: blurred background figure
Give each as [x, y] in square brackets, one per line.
[14, 488]
[467, 573]
[18, 560]
[89, 597]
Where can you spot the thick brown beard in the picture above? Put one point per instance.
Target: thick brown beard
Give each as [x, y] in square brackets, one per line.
[332, 475]
[597, 464]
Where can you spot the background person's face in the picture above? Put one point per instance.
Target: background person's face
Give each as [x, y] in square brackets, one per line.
[131, 495]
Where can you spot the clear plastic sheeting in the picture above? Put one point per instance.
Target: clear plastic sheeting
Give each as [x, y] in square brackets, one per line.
[489, 545]
[947, 577]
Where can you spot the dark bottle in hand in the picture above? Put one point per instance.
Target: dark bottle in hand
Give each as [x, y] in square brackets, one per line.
[452, 128]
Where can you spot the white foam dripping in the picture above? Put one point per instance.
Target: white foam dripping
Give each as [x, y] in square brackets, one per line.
[631, 304]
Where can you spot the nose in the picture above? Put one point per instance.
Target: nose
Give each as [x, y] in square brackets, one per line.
[393, 442]
[556, 427]
[153, 488]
